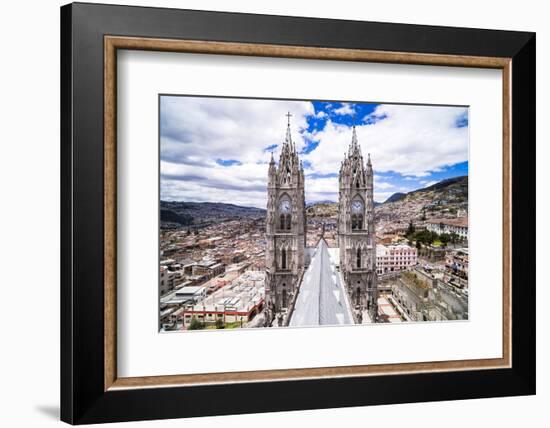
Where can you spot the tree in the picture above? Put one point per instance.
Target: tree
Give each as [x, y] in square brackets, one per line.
[454, 237]
[195, 324]
[425, 237]
[410, 229]
[418, 245]
[219, 323]
[445, 238]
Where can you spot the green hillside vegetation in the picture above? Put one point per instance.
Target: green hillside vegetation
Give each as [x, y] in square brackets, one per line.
[324, 209]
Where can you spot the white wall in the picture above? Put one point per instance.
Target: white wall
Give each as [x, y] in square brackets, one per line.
[29, 231]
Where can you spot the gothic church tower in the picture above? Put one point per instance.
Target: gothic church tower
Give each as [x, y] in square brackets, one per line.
[356, 236]
[285, 227]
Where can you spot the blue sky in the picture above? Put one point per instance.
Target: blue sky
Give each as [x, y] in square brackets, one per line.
[217, 149]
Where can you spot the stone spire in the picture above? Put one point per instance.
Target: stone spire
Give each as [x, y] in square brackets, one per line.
[354, 147]
[288, 138]
[272, 171]
[356, 237]
[285, 229]
[369, 178]
[354, 143]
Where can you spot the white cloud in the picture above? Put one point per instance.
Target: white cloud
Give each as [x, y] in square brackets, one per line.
[196, 132]
[238, 184]
[383, 185]
[410, 140]
[321, 189]
[344, 110]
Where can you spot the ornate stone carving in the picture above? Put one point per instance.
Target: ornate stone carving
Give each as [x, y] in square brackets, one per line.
[356, 236]
[285, 226]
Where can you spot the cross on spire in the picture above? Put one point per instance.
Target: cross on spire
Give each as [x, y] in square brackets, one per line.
[288, 115]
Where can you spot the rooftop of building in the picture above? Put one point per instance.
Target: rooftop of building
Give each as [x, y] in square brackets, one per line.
[190, 290]
[322, 299]
[242, 295]
[460, 221]
[383, 248]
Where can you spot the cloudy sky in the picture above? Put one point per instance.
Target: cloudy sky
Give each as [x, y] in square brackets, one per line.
[218, 149]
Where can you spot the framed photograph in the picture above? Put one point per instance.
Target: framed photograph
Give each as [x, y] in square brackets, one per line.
[266, 213]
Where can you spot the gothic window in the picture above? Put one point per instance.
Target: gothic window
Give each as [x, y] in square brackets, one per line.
[357, 211]
[358, 258]
[285, 209]
[284, 296]
[285, 221]
[283, 258]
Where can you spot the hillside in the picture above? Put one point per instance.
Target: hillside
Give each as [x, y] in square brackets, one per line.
[452, 189]
[444, 199]
[395, 197]
[199, 213]
[322, 209]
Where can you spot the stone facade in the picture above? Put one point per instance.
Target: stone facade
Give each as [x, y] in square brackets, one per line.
[356, 236]
[425, 298]
[285, 228]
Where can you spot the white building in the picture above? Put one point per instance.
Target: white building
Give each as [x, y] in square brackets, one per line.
[393, 258]
[449, 225]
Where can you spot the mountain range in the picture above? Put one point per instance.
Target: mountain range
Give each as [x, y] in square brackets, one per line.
[445, 199]
[447, 195]
[448, 188]
[199, 213]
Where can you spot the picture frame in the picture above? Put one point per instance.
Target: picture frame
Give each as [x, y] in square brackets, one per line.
[91, 391]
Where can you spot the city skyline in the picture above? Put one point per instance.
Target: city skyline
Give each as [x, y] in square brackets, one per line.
[199, 162]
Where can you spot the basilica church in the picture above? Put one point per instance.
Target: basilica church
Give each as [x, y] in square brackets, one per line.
[317, 286]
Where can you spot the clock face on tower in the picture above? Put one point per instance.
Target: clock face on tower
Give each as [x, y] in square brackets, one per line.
[357, 207]
[285, 206]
